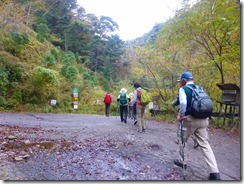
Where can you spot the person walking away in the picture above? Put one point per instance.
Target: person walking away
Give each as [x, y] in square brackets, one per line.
[140, 109]
[107, 100]
[123, 100]
[196, 126]
[132, 109]
[174, 104]
[130, 106]
[134, 113]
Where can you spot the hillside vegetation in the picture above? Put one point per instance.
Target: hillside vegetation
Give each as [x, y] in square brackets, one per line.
[50, 47]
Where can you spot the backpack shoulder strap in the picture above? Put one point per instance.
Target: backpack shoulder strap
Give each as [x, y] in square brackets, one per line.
[189, 87]
[193, 87]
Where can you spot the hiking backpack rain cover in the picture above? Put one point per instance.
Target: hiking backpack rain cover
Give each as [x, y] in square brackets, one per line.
[123, 99]
[201, 104]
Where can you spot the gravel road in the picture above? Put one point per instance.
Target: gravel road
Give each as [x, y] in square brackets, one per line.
[94, 147]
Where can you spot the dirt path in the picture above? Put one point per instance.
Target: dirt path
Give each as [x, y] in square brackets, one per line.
[92, 147]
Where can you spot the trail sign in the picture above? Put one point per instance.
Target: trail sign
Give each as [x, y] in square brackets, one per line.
[75, 98]
[75, 90]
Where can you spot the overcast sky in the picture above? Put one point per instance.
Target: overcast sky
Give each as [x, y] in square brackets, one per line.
[134, 17]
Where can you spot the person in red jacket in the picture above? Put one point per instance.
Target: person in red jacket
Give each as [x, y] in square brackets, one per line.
[107, 100]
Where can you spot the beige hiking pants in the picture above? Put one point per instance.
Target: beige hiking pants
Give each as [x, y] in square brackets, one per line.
[140, 111]
[198, 127]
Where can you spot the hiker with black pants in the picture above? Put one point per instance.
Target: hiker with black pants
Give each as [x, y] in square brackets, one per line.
[107, 100]
[134, 113]
[196, 126]
[132, 109]
[122, 101]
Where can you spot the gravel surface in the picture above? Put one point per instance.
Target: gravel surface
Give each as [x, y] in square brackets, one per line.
[93, 147]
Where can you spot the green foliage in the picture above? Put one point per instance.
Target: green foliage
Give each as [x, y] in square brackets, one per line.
[69, 58]
[11, 73]
[202, 38]
[106, 25]
[20, 39]
[107, 75]
[44, 82]
[40, 38]
[56, 54]
[44, 78]
[78, 38]
[71, 73]
[43, 30]
[50, 61]
[53, 58]
[90, 78]
[81, 69]
[3, 81]
[15, 42]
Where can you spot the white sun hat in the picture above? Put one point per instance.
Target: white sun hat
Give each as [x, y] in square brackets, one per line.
[123, 90]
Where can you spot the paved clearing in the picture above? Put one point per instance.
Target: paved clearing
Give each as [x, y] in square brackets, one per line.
[93, 147]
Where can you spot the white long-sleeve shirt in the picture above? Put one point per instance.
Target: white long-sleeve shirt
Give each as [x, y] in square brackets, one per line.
[183, 100]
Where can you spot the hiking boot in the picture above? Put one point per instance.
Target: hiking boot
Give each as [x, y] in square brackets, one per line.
[177, 141]
[179, 164]
[143, 129]
[135, 122]
[214, 176]
[125, 121]
[139, 131]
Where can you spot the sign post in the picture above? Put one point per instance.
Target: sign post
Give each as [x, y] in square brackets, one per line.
[75, 98]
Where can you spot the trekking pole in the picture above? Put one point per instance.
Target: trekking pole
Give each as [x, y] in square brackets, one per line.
[182, 148]
[175, 111]
[118, 109]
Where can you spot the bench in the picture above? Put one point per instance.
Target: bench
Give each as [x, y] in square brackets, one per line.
[227, 110]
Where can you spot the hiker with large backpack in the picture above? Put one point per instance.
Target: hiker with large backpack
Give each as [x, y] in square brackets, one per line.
[107, 100]
[122, 101]
[194, 120]
[175, 103]
[141, 104]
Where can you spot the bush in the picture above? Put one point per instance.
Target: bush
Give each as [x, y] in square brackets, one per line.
[43, 30]
[20, 39]
[40, 38]
[44, 82]
[3, 82]
[69, 72]
[56, 54]
[50, 61]
[69, 58]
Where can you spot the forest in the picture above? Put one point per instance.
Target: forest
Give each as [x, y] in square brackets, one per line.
[50, 47]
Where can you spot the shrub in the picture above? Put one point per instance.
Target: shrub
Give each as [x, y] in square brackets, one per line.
[44, 82]
[50, 61]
